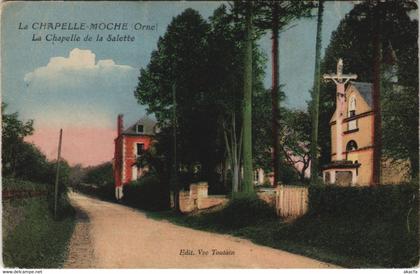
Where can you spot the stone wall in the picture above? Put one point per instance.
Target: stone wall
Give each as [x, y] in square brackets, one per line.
[197, 198]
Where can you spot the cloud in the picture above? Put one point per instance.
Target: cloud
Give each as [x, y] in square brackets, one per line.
[79, 67]
[79, 90]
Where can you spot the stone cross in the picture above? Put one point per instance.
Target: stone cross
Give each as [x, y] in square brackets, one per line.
[340, 80]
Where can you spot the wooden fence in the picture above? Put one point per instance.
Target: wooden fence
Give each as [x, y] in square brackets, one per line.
[291, 201]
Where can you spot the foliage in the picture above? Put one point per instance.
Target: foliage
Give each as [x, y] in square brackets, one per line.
[262, 130]
[105, 192]
[13, 132]
[400, 108]
[23, 160]
[379, 223]
[10, 183]
[244, 210]
[388, 202]
[399, 32]
[181, 62]
[99, 175]
[147, 193]
[77, 175]
[189, 57]
[295, 137]
[38, 241]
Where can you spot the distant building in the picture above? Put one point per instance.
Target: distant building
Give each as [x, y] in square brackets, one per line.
[129, 145]
[356, 166]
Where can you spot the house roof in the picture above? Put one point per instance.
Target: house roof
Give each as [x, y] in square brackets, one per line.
[365, 90]
[148, 127]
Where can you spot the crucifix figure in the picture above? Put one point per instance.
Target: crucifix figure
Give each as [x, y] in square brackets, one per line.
[340, 80]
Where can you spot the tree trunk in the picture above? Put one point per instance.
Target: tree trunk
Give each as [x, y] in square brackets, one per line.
[175, 163]
[275, 104]
[315, 97]
[376, 96]
[235, 178]
[247, 103]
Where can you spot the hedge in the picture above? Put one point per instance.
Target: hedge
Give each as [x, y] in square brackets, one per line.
[387, 202]
[147, 193]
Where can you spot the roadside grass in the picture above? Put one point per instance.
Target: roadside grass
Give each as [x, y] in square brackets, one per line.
[17, 184]
[350, 243]
[37, 240]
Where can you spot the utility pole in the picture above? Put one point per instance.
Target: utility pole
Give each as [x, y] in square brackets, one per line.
[175, 171]
[57, 173]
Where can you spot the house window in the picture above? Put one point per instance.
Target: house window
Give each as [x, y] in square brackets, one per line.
[351, 145]
[351, 113]
[139, 149]
[139, 128]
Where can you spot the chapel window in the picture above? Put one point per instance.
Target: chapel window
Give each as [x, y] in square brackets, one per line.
[351, 145]
[352, 124]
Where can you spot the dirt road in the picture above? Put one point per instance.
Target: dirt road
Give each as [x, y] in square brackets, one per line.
[109, 235]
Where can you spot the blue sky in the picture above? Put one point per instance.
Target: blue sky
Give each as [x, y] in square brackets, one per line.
[73, 95]
[81, 86]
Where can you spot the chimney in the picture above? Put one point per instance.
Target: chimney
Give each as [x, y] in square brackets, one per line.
[120, 124]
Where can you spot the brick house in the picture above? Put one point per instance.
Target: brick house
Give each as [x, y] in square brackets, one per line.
[129, 145]
[356, 168]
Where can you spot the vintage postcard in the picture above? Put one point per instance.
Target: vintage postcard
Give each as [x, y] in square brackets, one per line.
[197, 135]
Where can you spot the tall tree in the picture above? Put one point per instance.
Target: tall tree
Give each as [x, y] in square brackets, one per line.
[247, 102]
[376, 24]
[226, 65]
[13, 132]
[181, 59]
[275, 15]
[315, 96]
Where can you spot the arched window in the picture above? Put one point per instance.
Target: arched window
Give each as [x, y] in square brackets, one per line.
[351, 145]
[352, 106]
[352, 112]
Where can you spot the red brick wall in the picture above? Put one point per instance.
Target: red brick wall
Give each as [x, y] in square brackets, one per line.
[117, 163]
[129, 153]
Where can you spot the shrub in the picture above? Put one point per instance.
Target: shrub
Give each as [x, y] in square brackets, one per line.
[147, 193]
[104, 192]
[388, 202]
[377, 223]
[244, 210]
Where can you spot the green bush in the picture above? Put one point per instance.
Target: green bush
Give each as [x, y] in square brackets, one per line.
[147, 193]
[376, 223]
[38, 241]
[104, 192]
[241, 211]
[388, 202]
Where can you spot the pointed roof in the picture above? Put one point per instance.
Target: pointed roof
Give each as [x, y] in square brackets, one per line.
[365, 90]
[148, 127]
